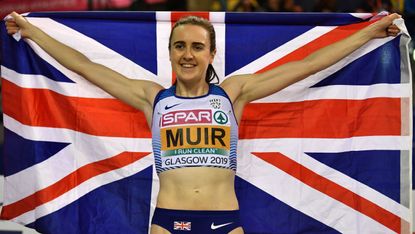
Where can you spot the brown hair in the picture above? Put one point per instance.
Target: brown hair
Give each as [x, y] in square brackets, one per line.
[207, 25]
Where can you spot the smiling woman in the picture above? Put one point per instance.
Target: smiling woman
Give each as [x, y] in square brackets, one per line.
[195, 123]
[190, 56]
[208, 34]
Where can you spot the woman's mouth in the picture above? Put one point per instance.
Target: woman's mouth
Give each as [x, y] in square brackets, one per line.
[187, 65]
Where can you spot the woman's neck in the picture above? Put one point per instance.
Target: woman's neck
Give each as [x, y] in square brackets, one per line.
[191, 90]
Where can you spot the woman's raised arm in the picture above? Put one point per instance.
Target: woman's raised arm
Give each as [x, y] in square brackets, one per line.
[137, 93]
[243, 89]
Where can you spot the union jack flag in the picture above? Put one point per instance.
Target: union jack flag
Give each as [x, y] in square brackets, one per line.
[182, 226]
[329, 154]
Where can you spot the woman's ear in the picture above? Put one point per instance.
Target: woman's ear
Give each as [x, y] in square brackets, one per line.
[212, 56]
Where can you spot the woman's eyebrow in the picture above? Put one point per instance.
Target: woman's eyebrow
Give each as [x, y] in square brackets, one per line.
[193, 43]
[198, 43]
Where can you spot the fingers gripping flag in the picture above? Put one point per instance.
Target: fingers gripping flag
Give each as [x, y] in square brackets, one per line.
[329, 154]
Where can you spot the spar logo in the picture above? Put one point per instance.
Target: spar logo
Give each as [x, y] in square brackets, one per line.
[187, 117]
[220, 117]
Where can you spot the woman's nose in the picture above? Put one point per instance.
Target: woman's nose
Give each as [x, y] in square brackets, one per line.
[188, 54]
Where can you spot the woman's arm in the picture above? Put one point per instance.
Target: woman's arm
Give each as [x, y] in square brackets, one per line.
[137, 93]
[243, 89]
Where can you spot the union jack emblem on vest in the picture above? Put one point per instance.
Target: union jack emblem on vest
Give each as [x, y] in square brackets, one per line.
[183, 226]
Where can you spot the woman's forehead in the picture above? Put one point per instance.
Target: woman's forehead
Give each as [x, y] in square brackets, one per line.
[190, 32]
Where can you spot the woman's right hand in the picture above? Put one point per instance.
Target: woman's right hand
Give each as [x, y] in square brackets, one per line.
[18, 23]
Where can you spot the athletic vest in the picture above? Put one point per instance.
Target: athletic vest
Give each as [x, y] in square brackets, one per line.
[194, 132]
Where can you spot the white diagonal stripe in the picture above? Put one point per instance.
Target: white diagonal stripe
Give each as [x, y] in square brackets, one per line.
[300, 41]
[321, 75]
[294, 148]
[283, 50]
[82, 189]
[308, 200]
[89, 47]
[77, 154]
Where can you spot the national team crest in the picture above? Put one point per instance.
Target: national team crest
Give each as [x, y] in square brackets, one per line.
[215, 103]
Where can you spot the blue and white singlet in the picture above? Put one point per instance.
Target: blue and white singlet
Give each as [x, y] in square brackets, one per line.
[194, 132]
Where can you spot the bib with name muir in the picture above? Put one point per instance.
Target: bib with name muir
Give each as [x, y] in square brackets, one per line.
[194, 132]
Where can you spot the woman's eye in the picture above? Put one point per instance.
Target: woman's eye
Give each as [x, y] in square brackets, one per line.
[198, 47]
[179, 46]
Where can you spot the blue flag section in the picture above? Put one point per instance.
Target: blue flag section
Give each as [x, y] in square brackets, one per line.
[329, 154]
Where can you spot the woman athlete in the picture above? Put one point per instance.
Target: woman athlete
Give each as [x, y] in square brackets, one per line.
[194, 123]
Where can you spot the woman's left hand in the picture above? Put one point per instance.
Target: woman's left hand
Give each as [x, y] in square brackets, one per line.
[384, 27]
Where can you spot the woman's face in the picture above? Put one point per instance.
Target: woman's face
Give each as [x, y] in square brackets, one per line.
[190, 53]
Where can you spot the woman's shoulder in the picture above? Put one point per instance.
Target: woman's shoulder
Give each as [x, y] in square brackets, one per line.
[164, 93]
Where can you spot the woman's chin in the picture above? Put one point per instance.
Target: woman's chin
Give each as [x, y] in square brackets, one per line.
[189, 78]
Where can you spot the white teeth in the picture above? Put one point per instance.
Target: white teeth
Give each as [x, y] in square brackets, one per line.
[188, 65]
